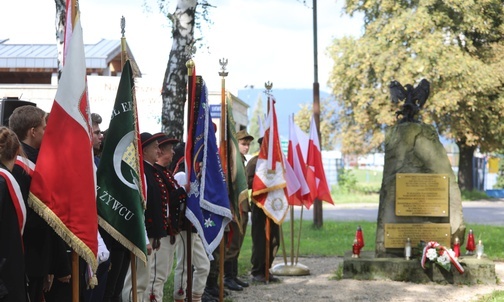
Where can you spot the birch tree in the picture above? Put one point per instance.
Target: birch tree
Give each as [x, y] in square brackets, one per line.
[175, 80]
[60, 31]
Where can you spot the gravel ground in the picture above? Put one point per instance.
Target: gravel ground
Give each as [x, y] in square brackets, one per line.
[321, 286]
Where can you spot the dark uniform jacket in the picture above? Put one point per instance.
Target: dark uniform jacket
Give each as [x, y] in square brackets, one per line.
[173, 200]
[12, 264]
[154, 210]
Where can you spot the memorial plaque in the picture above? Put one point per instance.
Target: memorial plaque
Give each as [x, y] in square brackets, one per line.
[397, 233]
[422, 195]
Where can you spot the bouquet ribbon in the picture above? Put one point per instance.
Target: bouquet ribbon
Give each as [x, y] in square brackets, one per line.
[435, 245]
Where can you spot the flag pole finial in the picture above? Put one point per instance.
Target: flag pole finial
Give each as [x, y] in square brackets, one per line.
[124, 55]
[268, 85]
[223, 63]
[123, 25]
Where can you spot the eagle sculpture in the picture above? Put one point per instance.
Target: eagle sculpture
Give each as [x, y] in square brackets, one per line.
[414, 99]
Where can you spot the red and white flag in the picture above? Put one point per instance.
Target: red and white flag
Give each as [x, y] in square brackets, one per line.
[63, 186]
[297, 161]
[315, 173]
[269, 187]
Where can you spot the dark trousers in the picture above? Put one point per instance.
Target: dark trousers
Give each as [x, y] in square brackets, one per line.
[96, 294]
[258, 258]
[119, 264]
[34, 288]
[213, 275]
[233, 252]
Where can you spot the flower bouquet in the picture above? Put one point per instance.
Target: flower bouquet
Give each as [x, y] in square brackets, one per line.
[441, 256]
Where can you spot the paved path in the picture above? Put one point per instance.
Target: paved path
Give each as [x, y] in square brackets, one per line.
[475, 212]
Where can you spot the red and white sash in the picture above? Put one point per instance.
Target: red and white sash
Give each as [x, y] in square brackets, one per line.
[26, 164]
[16, 196]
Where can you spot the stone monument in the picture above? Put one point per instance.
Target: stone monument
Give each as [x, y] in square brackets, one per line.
[413, 150]
[419, 201]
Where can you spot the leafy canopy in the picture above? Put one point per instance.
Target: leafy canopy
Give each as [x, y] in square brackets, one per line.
[457, 45]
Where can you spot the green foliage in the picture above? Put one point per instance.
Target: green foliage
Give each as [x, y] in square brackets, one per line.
[495, 296]
[338, 274]
[473, 195]
[457, 45]
[346, 180]
[328, 122]
[254, 129]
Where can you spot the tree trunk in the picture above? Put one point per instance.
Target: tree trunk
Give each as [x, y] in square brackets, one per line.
[465, 172]
[60, 31]
[175, 80]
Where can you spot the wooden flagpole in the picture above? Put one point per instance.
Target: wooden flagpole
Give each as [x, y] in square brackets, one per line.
[223, 152]
[191, 79]
[134, 295]
[75, 256]
[268, 85]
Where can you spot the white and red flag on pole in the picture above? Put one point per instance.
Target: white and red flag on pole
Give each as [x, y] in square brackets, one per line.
[63, 186]
[269, 187]
[297, 161]
[315, 172]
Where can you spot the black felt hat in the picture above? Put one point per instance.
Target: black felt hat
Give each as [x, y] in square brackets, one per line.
[165, 139]
[146, 138]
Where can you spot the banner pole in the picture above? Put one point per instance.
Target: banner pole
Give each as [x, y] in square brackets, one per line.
[299, 234]
[190, 99]
[75, 276]
[223, 152]
[282, 242]
[134, 296]
[267, 257]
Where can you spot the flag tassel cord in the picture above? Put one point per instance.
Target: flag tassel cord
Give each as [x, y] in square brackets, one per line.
[269, 189]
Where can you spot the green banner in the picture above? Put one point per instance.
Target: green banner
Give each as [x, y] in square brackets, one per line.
[119, 199]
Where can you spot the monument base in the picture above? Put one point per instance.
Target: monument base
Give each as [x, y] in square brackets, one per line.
[367, 267]
[288, 269]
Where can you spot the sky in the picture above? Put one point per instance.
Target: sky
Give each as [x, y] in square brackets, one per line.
[263, 40]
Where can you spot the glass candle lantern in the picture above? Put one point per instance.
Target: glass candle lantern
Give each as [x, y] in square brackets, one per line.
[407, 249]
[479, 249]
[456, 247]
[355, 249]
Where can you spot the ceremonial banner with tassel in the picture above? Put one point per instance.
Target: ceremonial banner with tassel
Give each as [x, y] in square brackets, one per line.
[208, 202]
[119, 185]
[269, 187]
[63, 188]
[237, 182]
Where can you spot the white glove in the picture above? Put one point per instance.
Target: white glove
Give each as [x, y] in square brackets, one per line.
[103, 252]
